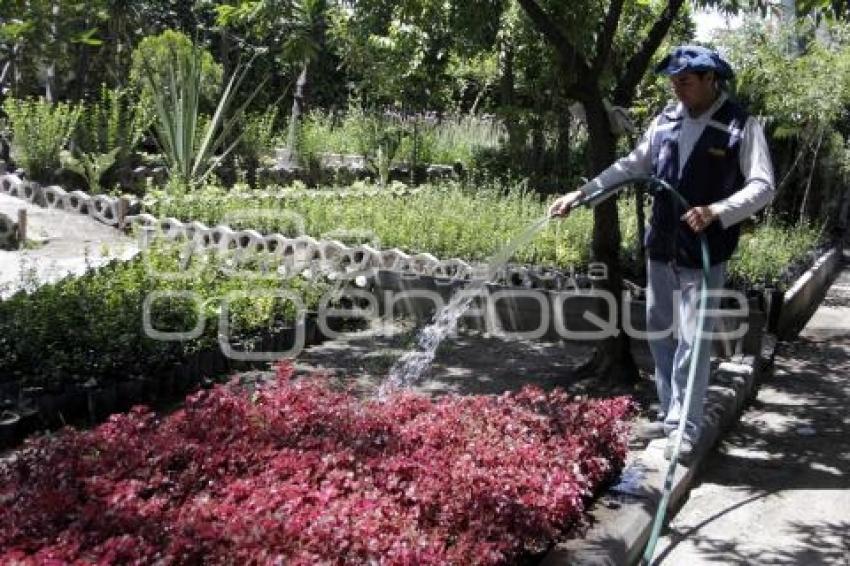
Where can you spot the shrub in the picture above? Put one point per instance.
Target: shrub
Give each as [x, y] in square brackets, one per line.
[448, 220]
[412, 139]
[39, 132]
[114, 120]
[257, 141]
[302, 474]
[767, 252]
[103, 312]
[259, 134]
[108, 131]
[159, 52]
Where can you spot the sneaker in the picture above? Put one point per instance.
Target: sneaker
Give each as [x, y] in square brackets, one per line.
[686, 449]
[651, 430]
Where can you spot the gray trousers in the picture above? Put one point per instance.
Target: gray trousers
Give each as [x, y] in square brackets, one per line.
[671, 315]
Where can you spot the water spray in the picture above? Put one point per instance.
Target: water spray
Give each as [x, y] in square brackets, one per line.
[412, 364]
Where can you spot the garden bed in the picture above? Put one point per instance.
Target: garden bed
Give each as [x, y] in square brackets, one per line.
[141, 330]
[299, 472]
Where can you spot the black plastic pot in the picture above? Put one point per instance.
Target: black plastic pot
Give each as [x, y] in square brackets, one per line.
[102, 402]
[130, 392]
[9, 423]
[29, 422]
[206, 363]
[773, 299]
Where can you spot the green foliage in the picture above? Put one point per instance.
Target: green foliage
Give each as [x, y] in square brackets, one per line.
[451, 139]
[108, 131]
[800, 92]
[327, 132]
[104, 310]
[769, 249]
[448, 220]
[258, 134]
[799, 79]
[115, 121]
[399, 52]
[193, 146]
[421, 139]
[90, 166]
[379, 138]
[158, 53]
[39, 132]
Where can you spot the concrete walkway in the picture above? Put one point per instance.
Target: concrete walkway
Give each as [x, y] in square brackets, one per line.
[58, 243]
[777, 491]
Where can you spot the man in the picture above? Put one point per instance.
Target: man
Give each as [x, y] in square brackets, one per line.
[711, 151]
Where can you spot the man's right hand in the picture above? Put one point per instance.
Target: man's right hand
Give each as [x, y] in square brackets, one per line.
[563, 205]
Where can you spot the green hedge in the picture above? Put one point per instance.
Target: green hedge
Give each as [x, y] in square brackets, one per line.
[766, 252]
[447, 220]
[91, 326]
[450, 220]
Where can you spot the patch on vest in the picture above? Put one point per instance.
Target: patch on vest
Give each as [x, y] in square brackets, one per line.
[717, 151]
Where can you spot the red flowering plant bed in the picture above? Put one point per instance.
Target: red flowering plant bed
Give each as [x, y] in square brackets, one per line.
[298, 472]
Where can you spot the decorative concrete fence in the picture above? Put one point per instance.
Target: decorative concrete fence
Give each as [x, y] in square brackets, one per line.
[106, 209]
[298, 253]
[534, 303]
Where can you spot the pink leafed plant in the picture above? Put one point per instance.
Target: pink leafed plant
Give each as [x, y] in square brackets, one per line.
[300, 473]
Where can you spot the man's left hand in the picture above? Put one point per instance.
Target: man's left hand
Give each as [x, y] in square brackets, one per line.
[699, 218]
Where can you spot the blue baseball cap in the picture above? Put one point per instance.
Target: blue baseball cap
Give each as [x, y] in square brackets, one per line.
[694, 58]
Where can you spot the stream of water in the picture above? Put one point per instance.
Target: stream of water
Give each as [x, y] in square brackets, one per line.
[412, 365]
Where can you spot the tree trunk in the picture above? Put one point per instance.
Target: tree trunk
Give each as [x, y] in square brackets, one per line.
[50, 82]
[561, 167]
[227, 170]
[16, 70]
[506, 80]
[507, 86]
[614, 355]
[814, 164]
[298, 107]
[6, 72]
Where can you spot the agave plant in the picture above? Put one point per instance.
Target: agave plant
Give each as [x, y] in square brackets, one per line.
[192, 146]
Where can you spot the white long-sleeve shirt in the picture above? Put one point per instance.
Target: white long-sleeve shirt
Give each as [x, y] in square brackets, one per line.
[755, 163]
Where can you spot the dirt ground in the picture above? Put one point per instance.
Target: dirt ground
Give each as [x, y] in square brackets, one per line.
[468, 363]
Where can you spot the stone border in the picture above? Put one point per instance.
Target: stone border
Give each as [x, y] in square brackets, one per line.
[802, 299]
[623, 516]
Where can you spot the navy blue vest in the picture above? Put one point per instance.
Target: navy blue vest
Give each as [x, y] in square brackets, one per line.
[711, 173]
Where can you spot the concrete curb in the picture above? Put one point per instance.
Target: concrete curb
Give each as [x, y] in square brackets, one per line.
[623, 516]
[802, 299]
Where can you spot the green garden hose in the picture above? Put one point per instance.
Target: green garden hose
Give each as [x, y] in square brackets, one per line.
[657, 184]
